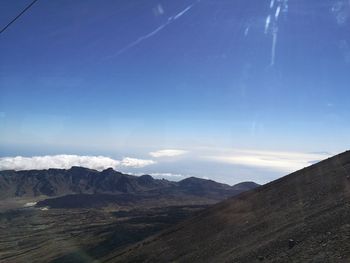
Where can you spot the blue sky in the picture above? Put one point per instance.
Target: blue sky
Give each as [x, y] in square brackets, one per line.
[211, 78]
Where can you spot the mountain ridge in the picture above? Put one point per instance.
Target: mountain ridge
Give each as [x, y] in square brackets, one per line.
[80, 180]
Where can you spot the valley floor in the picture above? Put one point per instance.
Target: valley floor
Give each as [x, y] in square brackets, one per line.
[80, 235]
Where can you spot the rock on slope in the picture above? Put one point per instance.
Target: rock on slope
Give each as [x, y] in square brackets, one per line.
[303, 217]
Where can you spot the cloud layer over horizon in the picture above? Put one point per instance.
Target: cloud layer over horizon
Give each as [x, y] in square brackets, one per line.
[271, 160]
[167, 153]
[65, 161]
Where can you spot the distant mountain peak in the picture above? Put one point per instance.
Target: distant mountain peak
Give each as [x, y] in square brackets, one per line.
[145, 179]
[245, 185]
[108, 170]
[146, 176]
[78, 168]
[193, 179]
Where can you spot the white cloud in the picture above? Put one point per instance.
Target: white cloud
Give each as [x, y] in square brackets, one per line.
[167, 153]
[169, 176]
[65, 161]
[281, 161]
[135, 163]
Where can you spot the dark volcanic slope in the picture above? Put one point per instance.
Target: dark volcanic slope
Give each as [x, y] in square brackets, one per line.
[310, 206]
